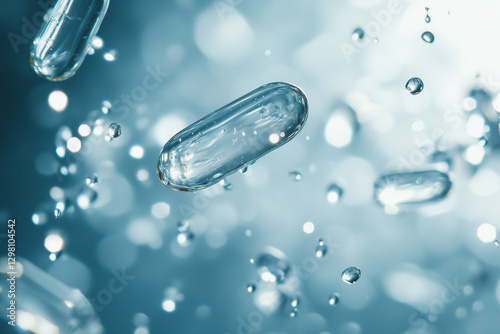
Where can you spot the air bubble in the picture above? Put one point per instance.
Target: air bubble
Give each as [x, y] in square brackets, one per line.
[414, 86]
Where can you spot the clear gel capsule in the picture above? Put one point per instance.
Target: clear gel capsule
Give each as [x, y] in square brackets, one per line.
[411, 188]
[232, 137]
[65, 37]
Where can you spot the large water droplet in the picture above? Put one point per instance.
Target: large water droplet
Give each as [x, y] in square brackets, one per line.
[351, 275]
[414, 86]
[411, 188]
[428, 37]
[272, 266]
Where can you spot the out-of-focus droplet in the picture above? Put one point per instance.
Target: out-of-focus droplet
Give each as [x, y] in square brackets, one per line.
[251, 287]
[252, 260]
[414, 86]
[106, 107]
[39, 218]
[226, 185]
[486, 232]
[185, 238]
[295, 176]
[111, 55]
[427, 17]
[308, 227]
[183, 225]
[91, 179]
[294, 313]
[168, 305]
[411, 188]
[244, 170]
[351, 275]
[428, 37]
[54, 243]
[57, 213]
[295, 302]
[333, 299]
[358, 34]
[334, 193]
[341, 126]
[321, 249]
[136, 152]
[74, 144]
[496, 242]
[58, 100]
[84, 130]
[115, 130]
[272, 266]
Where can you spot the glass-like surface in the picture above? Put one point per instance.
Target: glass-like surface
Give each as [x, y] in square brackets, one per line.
[232, 137]
[65, 37]
[411, 188]
[43, 304]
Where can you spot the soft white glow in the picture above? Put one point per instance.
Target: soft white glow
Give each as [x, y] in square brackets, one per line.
[308, 227]
[475, 126]
[338, 130]
[84, 130]
[97, 43]
[474, 154]
[74, 144]
[486, 232]
[274, 138]
[110, 55]
[332, 197]
[166, 127]
[83, 201]
[168, 305]
[142, 175]
[496, 103]
[98, 130]
[54, 243]
[160, 210]
[418, 126]
[136, 152]
[469, 104]
[58, 100]
[141, 330]
[57, 194]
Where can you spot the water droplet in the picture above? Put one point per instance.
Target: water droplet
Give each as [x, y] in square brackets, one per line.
[57, 213]
[427, 18]
[227, 185]
[375, 40]
[411, 188]
[351, 275]
[414, 86]
[334, 193]
[294, 313]
[358, 34]
[183, 225]
[295, 302]
[91, 179]
[295, 176]
[251, 287]
[185, 238]
[115, 130]
[496, 242]
[322, 249]
[252, 260]
[272, 266]
[244, 170]
[106, 107]
[334, 299]
[428, 37]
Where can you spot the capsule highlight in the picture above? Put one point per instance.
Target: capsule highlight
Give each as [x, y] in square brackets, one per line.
[66, 37]
[232, 137]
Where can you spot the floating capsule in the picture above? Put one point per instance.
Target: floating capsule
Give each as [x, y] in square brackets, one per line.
[428, 37]
[57, 213]
[351, 275]
[66, 37]
[411, 188]
[415, 86]
[232, 137]
[272, 266]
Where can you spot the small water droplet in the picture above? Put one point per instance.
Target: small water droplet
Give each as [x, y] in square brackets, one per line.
[252, 260]
[428, 37]
[351, 275]
[427, 18]
[185, 238]
[183, 226]
[334, 193]
[496, 242]
[272, 266]
[295, 176]
[333, 299]
[57, 213]
[227, 185]
[244, 170]
[414, 86]
[115, 130]
[375, 40]
[91, 179]
[358, 34]
[106, 107]
[251, 287]
[294, 313]
[295, 302]
[321, 250]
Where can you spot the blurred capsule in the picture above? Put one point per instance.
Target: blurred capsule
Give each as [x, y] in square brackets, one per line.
[272, 266]
[232, 137]
[351, 275]
[414, 86]
[66, 37]
[411, 188]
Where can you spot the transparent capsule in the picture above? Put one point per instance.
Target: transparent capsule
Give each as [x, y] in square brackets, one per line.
[232, 137]
[428, 37]
[351, 275]
[44, 304]
[272, 266]
[415, 86]
[66, 37]
[411, 188]
[57, 213]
